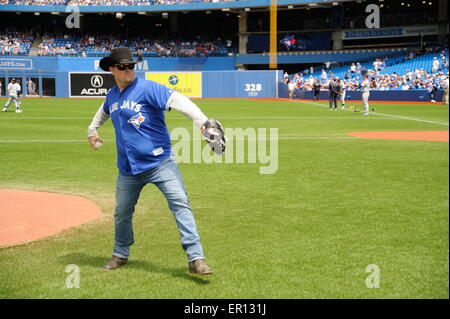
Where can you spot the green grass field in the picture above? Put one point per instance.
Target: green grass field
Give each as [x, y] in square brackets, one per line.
[335, 205]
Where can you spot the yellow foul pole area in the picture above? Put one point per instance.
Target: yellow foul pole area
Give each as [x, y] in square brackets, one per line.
[273, 35]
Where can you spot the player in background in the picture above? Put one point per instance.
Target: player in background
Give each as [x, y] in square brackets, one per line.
[342, 93]
[365, 88]
[291, 89]
[445, 98]
[334, 89]
[316, 90]
[286, 77]
[13, 95]
[31, 87]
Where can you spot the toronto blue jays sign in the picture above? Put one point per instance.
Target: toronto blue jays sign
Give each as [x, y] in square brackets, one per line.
[16, 64]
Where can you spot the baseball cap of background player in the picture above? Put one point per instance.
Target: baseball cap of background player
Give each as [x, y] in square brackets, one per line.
[121, 55]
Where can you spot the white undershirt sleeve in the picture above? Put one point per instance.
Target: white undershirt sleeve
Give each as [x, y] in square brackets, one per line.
[99, 119]
[186, 107]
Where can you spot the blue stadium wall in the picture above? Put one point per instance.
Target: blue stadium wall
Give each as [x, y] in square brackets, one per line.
[28, 63]
[218, 77]
[219, 80]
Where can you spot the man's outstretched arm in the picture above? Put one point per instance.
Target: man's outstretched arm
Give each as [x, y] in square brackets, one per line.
[188, 108]
[210, 128]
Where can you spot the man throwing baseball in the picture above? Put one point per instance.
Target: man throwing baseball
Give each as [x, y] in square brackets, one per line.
[136, 108]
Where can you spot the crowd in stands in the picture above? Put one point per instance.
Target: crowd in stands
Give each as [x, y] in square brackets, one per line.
[110, 2]
[179, 48]
[435, 75]
[104, 2]
[19, 43]
[36, 2]
[15, 43]
[98, 45]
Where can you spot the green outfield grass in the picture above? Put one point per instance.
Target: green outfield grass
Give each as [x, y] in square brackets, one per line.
[335, 205]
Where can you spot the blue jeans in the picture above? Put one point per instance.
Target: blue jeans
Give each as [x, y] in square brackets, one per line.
[168, 179]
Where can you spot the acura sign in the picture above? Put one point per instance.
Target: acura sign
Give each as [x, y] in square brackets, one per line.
[97, 81]
[90, 84]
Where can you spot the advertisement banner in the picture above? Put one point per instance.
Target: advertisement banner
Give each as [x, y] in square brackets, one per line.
[389, 32]
[16, 64]
[186, 83]
[86, 84]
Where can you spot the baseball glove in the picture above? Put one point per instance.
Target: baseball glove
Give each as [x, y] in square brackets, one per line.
[215, 135]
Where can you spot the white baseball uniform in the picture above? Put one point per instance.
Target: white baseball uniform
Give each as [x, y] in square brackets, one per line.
[365, 87]
[291, 89]
[13, 89]
[342, 95]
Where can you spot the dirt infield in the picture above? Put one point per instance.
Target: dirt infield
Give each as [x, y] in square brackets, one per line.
[440, 136]
[29, 215]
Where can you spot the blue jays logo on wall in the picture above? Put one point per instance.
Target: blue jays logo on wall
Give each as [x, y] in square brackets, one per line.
[137, 120]
[173, 79]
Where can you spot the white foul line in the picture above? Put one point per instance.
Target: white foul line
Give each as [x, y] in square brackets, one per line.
[388, 115]
[410, 118]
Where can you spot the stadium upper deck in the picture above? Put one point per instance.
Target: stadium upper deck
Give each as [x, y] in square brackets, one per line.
[144, 5]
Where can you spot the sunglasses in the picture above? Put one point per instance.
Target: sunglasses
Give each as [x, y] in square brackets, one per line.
[123, 67]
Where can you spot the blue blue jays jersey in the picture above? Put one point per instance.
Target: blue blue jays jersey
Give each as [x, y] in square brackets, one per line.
[137, 113]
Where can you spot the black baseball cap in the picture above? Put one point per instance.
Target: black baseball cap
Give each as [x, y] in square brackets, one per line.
[121, 55]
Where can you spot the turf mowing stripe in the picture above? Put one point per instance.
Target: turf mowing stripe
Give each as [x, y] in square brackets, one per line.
[47, 141]
[239, 139]
[292, 118]
[45, 118]
[387, 115]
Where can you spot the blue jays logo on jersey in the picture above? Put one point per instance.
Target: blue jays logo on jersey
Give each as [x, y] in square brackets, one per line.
[137, 120]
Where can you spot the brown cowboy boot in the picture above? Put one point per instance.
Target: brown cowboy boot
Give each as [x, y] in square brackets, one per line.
[199, 267]
[115, 262]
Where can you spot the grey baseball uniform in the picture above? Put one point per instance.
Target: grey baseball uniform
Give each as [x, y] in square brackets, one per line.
[365, 88]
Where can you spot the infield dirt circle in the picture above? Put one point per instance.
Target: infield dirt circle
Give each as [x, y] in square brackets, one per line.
[30, 215]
